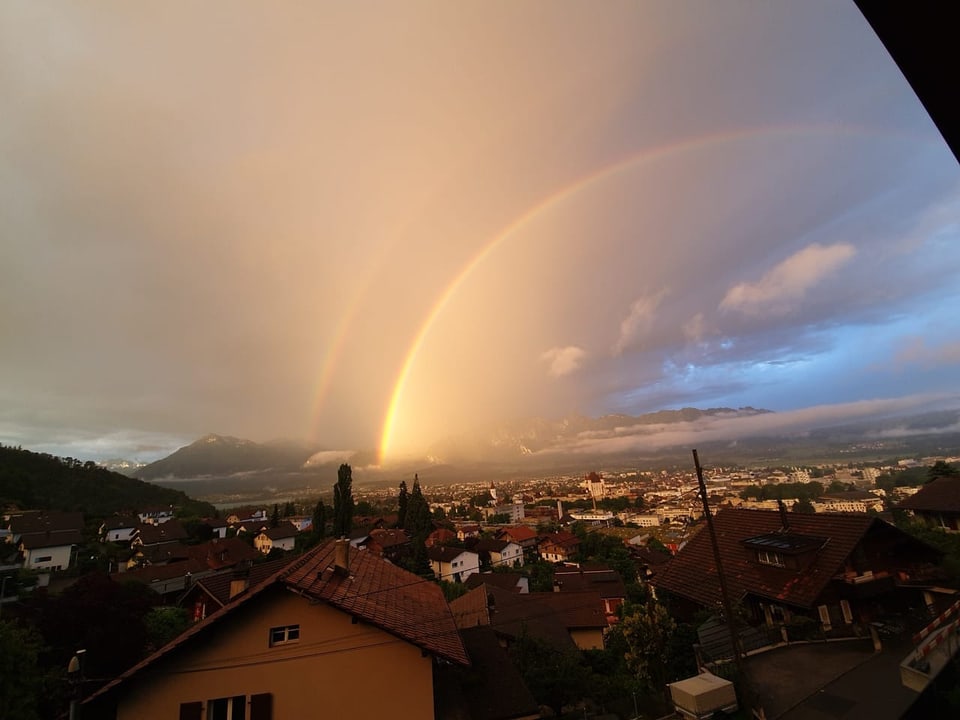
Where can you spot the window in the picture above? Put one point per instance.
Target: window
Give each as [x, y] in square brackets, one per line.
[284, 634]
[766, 557]
[191, 711]
[43, 558]
[229, 708]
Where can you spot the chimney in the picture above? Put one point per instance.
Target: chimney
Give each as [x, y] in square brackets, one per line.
[784, 520]
[239, 582]
[341, 556]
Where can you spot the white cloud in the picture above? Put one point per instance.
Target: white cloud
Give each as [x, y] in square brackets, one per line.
[563, 360]
[694, 328]
[732, 428]
[916, 351]
[639, 321]
[777, 292]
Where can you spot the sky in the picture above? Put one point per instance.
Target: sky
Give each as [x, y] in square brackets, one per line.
[373, 225]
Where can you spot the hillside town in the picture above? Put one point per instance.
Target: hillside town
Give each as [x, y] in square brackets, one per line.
[604, 595]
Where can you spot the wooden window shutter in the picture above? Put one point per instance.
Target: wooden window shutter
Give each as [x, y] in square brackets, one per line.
[261, 706]
[191, 711]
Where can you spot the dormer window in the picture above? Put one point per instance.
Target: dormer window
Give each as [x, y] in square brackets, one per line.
[766, 557]
[784, 549]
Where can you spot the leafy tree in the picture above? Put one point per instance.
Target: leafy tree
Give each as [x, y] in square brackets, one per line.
[418, 523]
[164, 624]
[21, 678]
[288, 509]
[364, 508]
[402, 502]
[343, 502]
[320, 520]
[648, 629]
[556, 677]
[941, 469]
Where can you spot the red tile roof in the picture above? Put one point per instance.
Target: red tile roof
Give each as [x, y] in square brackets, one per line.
[940, 495]
[518, 533]
[547, 615]
[375, 591]
[692, 573]
[384, 595]
[217, 586]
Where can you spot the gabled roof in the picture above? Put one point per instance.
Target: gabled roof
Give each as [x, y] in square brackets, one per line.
[60, 538]
[491, 545]
[52, 521]
[940, 495]
[504, 580]
[283, 530]
[443, 553]
[170, 531]
[222, 553]
[560, 539]
[120, 522]
[384, 595]
[602, 579]
[217, 586]
[492, 689]
[375, 591]
[518, 533]
[547, 615]
[151, 573]
[389, 538]
[692, 573]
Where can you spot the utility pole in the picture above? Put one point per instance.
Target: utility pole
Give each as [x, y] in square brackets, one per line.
[724, 594]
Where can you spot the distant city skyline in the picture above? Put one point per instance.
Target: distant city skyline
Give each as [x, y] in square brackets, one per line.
[374, 227]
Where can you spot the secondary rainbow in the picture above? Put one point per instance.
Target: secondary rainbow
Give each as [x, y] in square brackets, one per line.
[561, 195]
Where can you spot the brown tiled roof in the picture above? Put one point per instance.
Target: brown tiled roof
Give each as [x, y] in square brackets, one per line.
[492, 689]
[170, 531]
[602, 579]
[504, 580]
[940, 495]
[384, 595]
[217, 586]
[39, 522]
[692, 573]
[561, 539]
[222, 553]
[546, 615]
[491, 545]
[59, 538]
[119, 522]
[445, 553]
[283, 530]
[389, 538]
[439, 536]
[518, 533]
[162, 572]
[375, 591]
[165, 553]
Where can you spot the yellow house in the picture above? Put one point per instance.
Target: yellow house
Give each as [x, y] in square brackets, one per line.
[311, 641]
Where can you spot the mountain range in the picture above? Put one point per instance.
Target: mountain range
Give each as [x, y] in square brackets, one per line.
[217, 465]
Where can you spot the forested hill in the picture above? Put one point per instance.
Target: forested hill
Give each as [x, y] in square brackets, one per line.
[38, 481]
